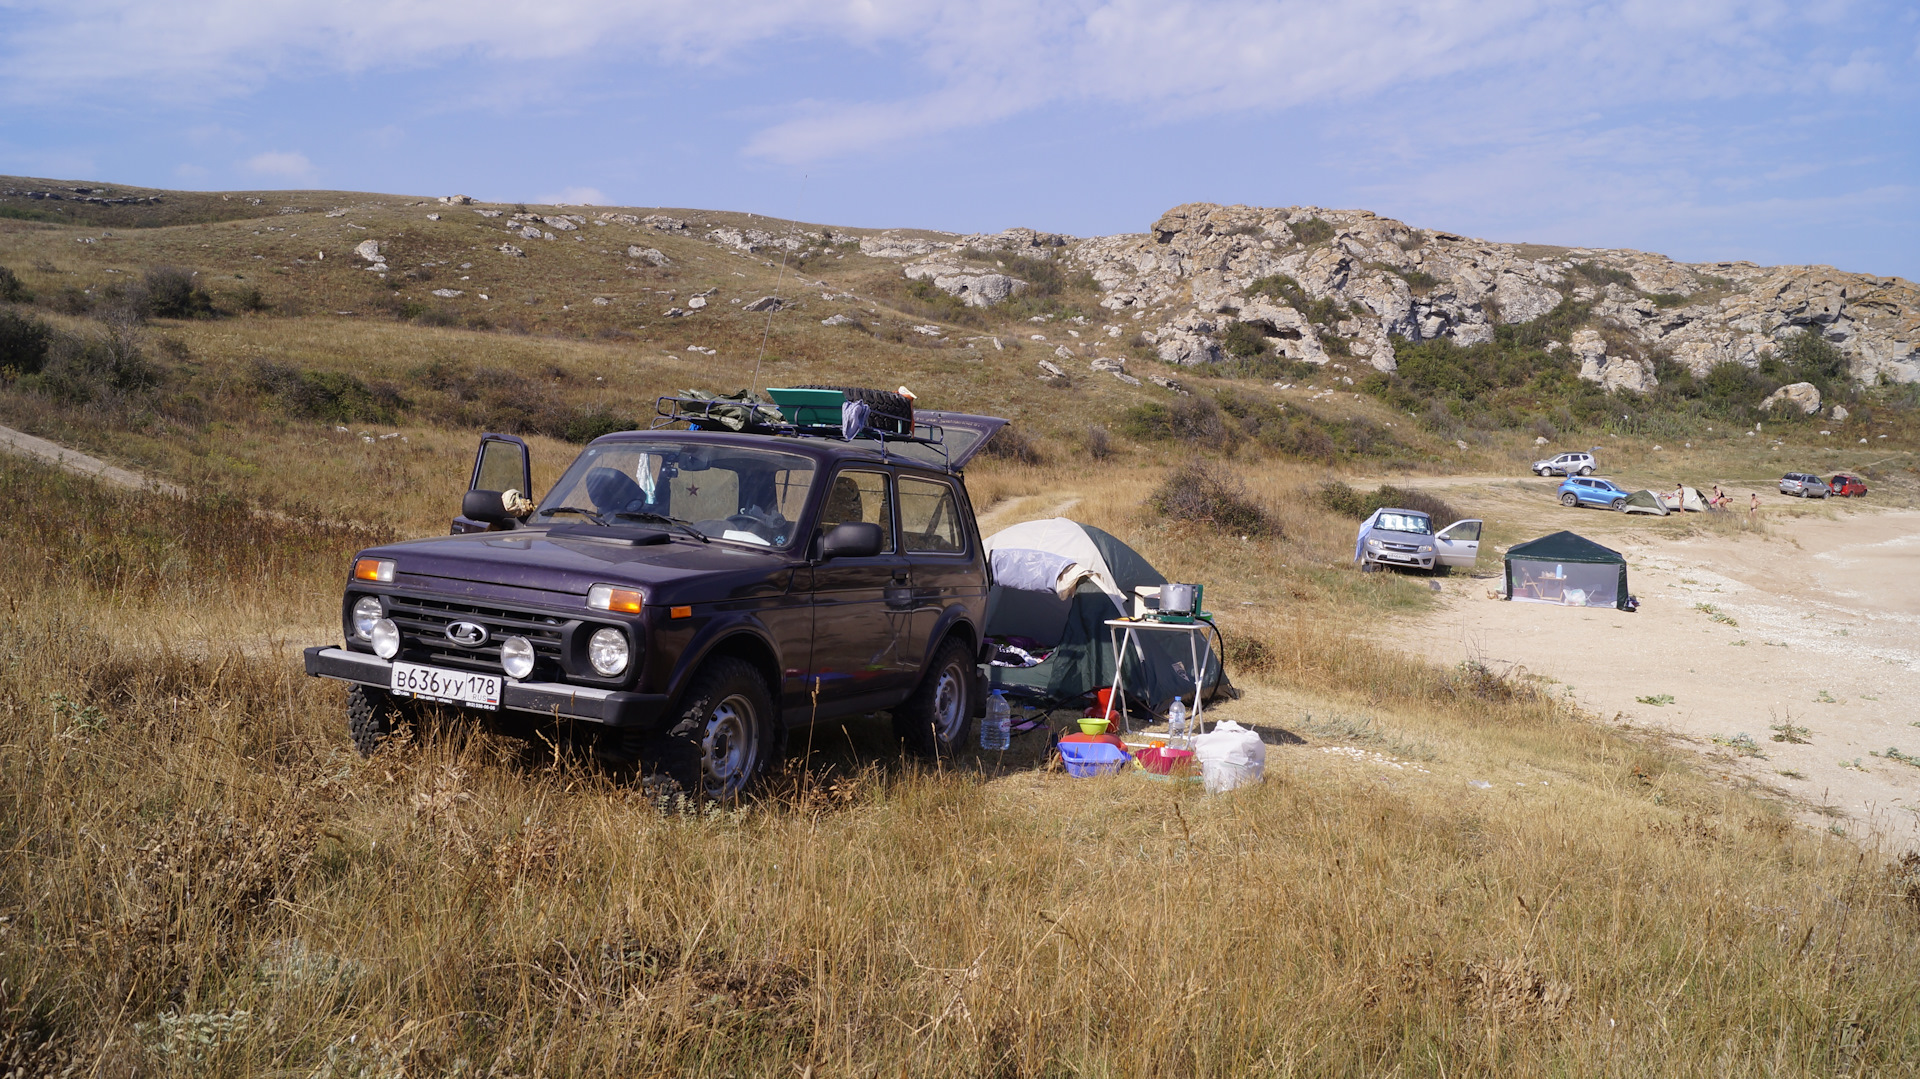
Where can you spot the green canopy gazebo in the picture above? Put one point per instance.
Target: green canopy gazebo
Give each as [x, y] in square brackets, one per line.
[1567, 570]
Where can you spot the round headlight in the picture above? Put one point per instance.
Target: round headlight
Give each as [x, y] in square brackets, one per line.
[386, 638]
[516, 655]
[607, 651]
[365, 614]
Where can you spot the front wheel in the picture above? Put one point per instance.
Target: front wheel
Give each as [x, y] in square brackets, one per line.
[1619, 505]
[936, 722]
[1569, 500]
[725, 738]
[372, 714]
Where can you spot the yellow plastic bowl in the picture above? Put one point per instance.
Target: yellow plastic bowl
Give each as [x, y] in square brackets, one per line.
[1094, 726]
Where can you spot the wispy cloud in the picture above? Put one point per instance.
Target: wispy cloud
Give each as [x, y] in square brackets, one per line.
[281, 165]
[574, 196]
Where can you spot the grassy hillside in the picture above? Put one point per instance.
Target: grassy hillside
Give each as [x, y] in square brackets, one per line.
[203, 879]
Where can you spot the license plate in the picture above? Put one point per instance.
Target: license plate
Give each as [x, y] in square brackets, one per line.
[451, 687]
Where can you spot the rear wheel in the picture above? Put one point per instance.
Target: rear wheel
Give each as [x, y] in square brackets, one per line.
[1569, 500]
[1619, 505]
[726, 736]
[937, 720]
[1587, 471]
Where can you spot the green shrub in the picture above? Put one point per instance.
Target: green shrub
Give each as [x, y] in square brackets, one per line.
[1419, 282]
[1193, 419]
[1009, 443]
[1244, 340]
[84, 369]
[1343, 500]
[1600, 276]
[1313, 230]
[1296, 431]
[328, 395]
[1207, 494]
[24, 341]
[171, 292]
[12, 289]
[1285, 290]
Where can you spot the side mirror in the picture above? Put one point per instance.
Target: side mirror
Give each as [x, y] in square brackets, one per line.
[855, 539]
[485, 506]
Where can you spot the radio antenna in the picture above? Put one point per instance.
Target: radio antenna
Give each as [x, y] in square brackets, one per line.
[778, 281]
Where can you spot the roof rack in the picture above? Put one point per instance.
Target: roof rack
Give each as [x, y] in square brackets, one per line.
[756, 418]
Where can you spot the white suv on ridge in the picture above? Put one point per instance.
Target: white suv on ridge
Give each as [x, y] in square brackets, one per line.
[1567, 464]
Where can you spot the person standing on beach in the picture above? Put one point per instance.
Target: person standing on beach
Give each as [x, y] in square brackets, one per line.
[1754, 507]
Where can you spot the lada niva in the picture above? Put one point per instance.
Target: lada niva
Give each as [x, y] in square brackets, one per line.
[697, 591]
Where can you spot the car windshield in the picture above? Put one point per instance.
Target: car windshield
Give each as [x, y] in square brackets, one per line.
[741, 494]
[1404, 522]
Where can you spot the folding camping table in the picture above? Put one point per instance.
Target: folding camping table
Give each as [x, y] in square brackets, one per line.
[1121, 631]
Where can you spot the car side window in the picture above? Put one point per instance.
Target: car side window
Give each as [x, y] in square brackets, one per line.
[860, 496]
[929, 520]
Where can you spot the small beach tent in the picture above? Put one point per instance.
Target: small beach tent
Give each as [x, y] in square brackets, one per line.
[1684, 498]
[1056, 582]
[1568, 570]
[1646, 502]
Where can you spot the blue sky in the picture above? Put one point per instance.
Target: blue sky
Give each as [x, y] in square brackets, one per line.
[1775, 132]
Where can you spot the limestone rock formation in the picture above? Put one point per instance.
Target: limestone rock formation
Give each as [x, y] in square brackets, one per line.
[648, 254]
[1804, 396]
[1613, 372]
[975, 287]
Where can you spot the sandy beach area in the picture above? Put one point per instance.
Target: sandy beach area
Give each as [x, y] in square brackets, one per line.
[1805, 640]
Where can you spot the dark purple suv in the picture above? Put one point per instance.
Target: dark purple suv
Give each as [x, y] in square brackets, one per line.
[700, 591]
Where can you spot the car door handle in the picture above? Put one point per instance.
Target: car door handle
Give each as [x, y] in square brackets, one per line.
[900, 576]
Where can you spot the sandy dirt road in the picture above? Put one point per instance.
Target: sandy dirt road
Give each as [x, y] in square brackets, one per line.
[1810, 634]
[26, 445]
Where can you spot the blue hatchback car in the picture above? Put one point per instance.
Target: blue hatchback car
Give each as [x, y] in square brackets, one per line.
[1592, 491]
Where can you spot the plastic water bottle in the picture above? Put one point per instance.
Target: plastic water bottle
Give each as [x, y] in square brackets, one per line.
[997, 731]
[1178, 736]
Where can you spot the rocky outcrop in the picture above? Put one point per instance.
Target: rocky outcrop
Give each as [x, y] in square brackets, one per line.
[1355, 283]
[976, 287]
[649, 255]
[1371, 280]
[1804, 396]
[1612, 372]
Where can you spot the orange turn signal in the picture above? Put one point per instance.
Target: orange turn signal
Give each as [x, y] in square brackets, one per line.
[605, 597]
[680, 612]
[373, 569]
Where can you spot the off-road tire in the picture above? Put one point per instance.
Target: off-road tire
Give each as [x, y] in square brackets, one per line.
[1586, 471]
[726, 735]
[1618, 505]
[1569, 500]
[937, 722]
[370, 718]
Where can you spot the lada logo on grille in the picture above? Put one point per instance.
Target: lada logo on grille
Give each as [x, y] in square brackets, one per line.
[467, 634]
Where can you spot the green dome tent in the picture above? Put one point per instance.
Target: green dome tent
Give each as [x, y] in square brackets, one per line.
[1567, 570]
[1056, 582]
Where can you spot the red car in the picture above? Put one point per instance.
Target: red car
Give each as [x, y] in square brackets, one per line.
[1847, 486]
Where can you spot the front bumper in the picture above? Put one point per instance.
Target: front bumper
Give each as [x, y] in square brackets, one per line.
[1395, 558]
[614, 708]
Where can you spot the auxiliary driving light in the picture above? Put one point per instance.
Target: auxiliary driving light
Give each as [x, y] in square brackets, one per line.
[607, 651]
[516, 655]
[386, 638]
[365, 613]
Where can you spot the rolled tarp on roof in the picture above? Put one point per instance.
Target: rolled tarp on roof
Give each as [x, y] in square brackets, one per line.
[1567, 570]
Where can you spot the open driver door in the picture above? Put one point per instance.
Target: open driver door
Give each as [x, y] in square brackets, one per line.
[502, 464]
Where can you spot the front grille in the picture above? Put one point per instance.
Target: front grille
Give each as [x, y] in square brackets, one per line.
[423, 629]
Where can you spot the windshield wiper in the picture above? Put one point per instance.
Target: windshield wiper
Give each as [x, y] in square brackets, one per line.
[643, 515]
[590, 515]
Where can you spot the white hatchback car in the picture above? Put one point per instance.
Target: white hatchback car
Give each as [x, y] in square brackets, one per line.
[1567, 464]
[1395, 537]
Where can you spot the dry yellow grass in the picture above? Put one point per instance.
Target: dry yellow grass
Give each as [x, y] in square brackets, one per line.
[202, 878]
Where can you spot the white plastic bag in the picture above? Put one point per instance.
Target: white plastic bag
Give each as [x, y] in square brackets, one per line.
[1230, 756]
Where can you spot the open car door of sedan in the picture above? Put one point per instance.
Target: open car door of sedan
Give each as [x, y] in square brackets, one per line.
[1458, 544]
